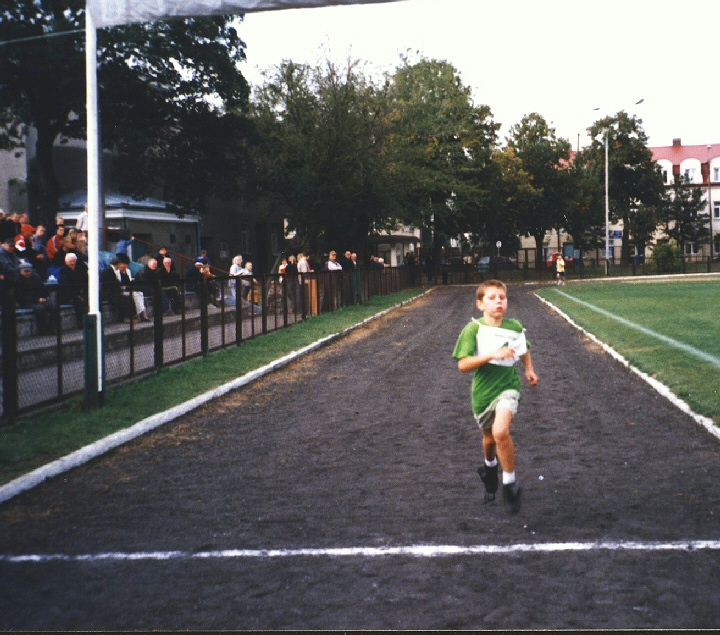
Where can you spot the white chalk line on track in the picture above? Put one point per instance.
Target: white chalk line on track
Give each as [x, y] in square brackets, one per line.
[414, 551]
[659, 387]
[89, 452]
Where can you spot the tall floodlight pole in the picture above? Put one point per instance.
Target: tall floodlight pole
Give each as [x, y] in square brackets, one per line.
[710, 206]
[607, 205]
[94, 371]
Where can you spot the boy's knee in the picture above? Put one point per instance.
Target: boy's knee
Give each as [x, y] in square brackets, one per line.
[501, 434]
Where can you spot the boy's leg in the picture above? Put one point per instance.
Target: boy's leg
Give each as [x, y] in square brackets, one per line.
[488, 471]
[506, 454]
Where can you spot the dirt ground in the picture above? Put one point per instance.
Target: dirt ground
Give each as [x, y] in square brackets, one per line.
[369, 442]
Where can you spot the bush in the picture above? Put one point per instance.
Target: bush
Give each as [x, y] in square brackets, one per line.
[667, 258]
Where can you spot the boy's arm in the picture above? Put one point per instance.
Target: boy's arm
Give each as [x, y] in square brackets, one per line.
[471, 362]
[530, 373]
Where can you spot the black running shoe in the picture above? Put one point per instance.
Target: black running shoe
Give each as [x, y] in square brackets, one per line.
[489, 476]
[511, 496]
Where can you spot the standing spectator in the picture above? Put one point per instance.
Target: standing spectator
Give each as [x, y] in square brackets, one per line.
[59, 222]
[291, 279]
[346, 261]
[42, 260]
[124, 247]
[31, 293]
[333, 264]
[560, 268]
[236, 270]
[356, 279]
[82, 221]
[73, 286]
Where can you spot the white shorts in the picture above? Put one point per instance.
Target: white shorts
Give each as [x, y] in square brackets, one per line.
[507, 400]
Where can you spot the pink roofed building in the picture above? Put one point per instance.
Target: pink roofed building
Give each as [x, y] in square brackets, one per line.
[699, 166]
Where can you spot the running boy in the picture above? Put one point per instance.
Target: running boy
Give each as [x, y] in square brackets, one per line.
[490, 347]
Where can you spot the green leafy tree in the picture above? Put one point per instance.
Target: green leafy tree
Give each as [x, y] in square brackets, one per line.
[321, 157]
[510, 193]
[681, 214]
[634, 177]
[153, 78]
[545, 157]
[441, 147]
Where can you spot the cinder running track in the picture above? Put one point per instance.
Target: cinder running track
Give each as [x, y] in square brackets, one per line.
[341, 493]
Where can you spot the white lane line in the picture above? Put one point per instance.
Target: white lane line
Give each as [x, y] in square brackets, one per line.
[696, 352]
[89, 452]
[660, 388]
[418, 551]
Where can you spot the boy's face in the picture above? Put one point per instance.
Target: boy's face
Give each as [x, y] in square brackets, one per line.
[494, 303]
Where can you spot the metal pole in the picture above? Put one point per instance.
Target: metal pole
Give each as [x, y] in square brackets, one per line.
[95, 367]
[607, 206]
[710, 206]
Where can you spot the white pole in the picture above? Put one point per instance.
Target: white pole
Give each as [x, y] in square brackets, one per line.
[710, 206]
[93, 185]
[607, 206]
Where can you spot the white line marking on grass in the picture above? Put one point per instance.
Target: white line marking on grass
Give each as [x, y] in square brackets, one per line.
[417, 551]
[696, 352]
[659, 387]
[89, 452]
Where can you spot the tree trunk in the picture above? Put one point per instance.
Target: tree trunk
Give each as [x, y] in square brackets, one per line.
[43, 186]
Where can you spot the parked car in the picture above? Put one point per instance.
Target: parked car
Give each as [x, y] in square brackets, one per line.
[498, 262]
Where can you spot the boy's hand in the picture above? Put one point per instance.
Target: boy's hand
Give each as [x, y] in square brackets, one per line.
[504, 353]
[532, 378]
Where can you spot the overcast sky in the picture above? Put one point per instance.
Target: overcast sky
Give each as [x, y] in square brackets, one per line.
[560, 58]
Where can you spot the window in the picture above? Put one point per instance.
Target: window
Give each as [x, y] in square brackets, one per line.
[716, 209]
[691, 249]
[690, 175]
[665, 176]
[716, 174]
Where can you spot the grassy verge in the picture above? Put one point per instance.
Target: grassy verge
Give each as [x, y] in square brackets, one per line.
[34, 441]
[678, 342]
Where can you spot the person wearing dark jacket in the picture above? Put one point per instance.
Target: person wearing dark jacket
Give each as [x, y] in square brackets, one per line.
[31, 293]
[73, 286]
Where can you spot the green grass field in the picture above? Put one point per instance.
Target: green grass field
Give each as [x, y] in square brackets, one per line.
[669, 329]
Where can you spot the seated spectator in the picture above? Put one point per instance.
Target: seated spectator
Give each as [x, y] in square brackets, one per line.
[115, 288]
[73, 286]
[9, 261]
[170, 284]
[55, 243]
[31, 293]
[193, 280]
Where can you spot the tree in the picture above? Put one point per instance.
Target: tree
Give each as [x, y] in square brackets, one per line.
[441, 147]
[634, 178]
[322, 152]
[151, 78]
[681, 217]
[545, 157]
[510, 193]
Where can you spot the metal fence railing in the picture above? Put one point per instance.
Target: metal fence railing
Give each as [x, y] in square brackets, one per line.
[43, 346]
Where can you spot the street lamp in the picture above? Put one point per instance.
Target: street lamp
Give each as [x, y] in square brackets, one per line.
[710, 206]
[607, 196]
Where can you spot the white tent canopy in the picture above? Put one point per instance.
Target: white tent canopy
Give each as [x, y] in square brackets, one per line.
[116, 12]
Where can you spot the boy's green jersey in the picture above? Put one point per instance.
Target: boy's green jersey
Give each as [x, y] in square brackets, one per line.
[490, 379]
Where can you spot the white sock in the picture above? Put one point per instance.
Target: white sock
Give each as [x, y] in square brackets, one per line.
[508, 477]
[492, 463]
